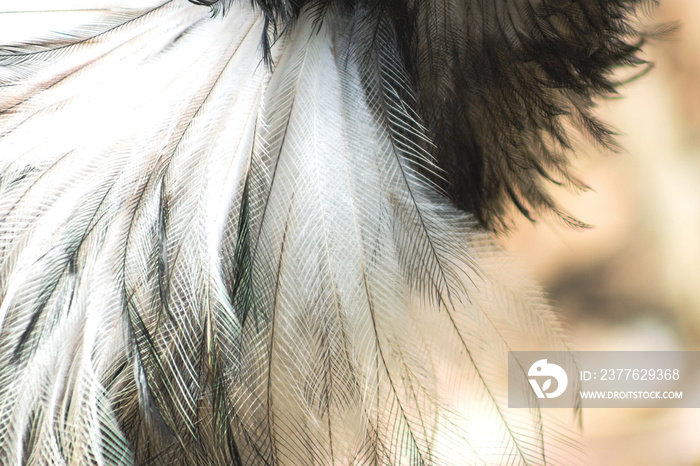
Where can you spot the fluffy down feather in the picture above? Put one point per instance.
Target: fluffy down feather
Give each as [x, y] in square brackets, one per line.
[217, 249]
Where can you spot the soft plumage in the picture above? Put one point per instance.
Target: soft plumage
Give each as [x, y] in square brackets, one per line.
[254, 233]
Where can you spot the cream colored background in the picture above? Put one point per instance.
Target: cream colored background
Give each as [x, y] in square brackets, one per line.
[633, 282]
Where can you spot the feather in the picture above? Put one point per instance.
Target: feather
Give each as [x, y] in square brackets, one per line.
[222, 249]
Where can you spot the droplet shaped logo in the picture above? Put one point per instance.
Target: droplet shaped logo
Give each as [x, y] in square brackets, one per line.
[542, 369]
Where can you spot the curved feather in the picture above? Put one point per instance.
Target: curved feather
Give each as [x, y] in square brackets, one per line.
[506, 87]
[210, 259]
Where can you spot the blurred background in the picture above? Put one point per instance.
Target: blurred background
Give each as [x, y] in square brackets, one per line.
[633, 281]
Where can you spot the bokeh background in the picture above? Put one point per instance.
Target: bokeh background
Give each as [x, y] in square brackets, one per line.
[633, 281]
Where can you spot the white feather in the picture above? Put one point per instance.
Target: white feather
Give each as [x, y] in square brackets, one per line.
[153, 164]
